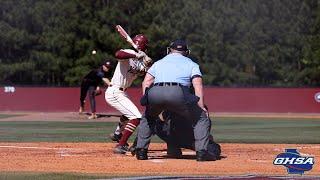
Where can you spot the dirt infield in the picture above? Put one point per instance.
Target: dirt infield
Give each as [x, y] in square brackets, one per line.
[97, 158]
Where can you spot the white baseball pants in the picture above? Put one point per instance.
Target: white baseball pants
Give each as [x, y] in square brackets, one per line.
[120, 101]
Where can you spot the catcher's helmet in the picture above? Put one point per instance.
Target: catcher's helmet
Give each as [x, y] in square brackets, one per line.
[141, 41]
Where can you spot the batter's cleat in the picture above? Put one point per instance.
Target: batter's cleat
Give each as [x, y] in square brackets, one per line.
[142, 154]
[203, 155]
[115, 137]
[120, 149]
[93, 116]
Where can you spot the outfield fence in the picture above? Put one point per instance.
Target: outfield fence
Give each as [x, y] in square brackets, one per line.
[239, 100]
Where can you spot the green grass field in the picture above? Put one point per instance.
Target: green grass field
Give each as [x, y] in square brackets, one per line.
[267, 130]
[9, 115]
[235, 130]
[225, 130]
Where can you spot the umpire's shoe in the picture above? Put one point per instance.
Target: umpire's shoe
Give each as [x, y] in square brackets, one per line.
[203, 155]
[142, 154]
[120, 149]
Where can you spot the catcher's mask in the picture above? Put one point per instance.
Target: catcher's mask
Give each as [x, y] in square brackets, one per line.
[179, 45]
[141, 41]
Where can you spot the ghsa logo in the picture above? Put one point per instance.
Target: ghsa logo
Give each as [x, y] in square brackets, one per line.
[294, 162]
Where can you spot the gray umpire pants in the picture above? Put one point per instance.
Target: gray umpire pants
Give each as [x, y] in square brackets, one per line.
[179, 100]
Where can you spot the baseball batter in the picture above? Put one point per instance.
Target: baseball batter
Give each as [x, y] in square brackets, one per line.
[131, 64]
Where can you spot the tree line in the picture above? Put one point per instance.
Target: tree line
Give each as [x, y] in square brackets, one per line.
[237, 43]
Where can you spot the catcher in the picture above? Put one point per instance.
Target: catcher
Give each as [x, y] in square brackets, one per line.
[90, 84]
[131, 64]
[178, 133]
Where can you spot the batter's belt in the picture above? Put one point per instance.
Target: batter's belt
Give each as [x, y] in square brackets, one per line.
[120, 88]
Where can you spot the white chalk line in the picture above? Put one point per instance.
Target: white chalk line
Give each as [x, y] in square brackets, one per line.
[61, 151]
[303, 147]
[157, 161]
[189, 153]
[260, 161]
[33, 147]
[300, 148]
[304, 154]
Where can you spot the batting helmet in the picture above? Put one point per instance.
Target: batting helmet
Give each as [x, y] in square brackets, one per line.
[141, 41]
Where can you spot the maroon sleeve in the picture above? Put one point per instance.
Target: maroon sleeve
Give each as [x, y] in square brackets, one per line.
[124, 55]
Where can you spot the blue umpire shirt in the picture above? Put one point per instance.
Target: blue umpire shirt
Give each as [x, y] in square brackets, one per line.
[175, 68]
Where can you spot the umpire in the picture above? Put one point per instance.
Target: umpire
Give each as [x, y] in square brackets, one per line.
[166, 87]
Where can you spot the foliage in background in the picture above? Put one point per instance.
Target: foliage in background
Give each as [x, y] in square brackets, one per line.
[236, 42]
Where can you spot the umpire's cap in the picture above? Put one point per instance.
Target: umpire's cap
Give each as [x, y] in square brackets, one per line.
[179, 45]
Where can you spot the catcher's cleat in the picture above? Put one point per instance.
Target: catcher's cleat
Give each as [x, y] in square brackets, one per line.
[115, 137]
[120, 149]
[93, 116]
[132, 150]
[174, 153]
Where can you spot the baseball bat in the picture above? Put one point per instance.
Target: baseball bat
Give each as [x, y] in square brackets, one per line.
[126, 37]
